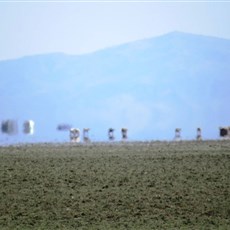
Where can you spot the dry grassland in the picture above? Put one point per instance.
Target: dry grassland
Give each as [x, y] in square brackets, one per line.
[146, 185]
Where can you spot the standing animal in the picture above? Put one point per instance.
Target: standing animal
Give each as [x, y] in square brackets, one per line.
[198, 134]
[28, 127]
[111, 134]
[74, 135]
[86, 135]
[177, 134]
[124, 134]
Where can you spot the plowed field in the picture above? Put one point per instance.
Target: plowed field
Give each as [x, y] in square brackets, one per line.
[140, 185]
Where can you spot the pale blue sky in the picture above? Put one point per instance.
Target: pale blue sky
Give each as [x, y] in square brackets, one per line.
[28, 28]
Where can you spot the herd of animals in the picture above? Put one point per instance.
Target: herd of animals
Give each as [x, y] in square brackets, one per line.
[75, 134]
[10, 127]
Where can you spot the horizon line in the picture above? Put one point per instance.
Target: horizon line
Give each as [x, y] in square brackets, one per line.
[115, 1]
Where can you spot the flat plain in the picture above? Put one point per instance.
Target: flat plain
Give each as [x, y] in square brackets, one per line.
[133, 185]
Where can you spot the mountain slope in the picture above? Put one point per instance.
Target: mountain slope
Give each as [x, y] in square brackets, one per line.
[150, 86]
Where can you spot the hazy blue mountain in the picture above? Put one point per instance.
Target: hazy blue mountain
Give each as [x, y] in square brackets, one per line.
[150, 86]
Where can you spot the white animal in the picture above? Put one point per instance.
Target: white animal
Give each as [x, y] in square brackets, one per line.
[28, 127]
[74, 135]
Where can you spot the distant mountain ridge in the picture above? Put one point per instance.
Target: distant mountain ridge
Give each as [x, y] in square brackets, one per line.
[151, 86]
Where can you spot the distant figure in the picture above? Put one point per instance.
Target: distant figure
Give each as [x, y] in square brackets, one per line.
[124, 134]
[9, 127]
[225, 132]
[86, 135]
[177, 134]
[28, 127]
[74, 135]
[111, 134]
[198, 134]
[64, 127]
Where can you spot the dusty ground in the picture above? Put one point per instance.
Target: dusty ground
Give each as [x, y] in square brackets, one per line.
[145, 185]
